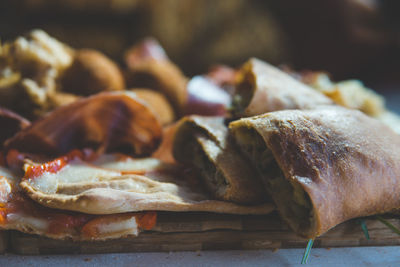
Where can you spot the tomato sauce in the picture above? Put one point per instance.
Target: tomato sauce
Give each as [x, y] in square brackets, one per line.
[54, 166]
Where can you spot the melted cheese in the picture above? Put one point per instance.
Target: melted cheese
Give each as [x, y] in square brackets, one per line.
[75, 172]
[127, 226]
[70, 179]
[5, 189]
[28, 222]
[128, 164]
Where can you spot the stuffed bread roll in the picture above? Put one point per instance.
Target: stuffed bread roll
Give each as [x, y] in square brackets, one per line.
[324, 166]
[203, 143]
[262, 88]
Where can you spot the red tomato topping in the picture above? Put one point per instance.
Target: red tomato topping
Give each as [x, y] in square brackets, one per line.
[52, 166]
[59, 222]
[147, 220]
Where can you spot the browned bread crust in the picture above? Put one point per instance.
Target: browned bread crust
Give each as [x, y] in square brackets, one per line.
[347, 164]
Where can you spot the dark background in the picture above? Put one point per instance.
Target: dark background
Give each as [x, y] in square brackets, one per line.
[348, 38]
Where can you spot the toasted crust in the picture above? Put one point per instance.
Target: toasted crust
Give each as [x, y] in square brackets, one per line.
[346, 162]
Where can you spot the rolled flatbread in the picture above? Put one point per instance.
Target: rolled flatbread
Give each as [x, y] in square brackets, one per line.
[324, 166]
[203, 142]
[262, 88]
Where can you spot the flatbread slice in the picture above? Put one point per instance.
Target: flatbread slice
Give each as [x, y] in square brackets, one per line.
[70, 183]
[204, 143]
[324, 166]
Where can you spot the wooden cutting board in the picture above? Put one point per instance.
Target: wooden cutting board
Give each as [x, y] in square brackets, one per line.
[205, 231]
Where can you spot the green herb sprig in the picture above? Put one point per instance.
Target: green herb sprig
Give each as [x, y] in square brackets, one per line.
[364, 228]
[307, 251]
[388, 224]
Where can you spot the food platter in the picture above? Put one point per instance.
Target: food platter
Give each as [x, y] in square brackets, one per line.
[248, 158]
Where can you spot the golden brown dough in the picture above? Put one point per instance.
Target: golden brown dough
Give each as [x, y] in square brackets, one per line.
[324, 166]
[203, 142]
[262, 88]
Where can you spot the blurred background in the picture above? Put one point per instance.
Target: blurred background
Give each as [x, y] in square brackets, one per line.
[348, 38]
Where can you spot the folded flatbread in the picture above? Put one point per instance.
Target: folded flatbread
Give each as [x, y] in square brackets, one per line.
[324, 166]
[18, 212]
[262, 88]
[119, 185]
[203, 142]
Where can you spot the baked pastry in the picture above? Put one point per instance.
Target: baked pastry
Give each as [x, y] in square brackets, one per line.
[261, 88]
[323, 166]
[203, 142]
